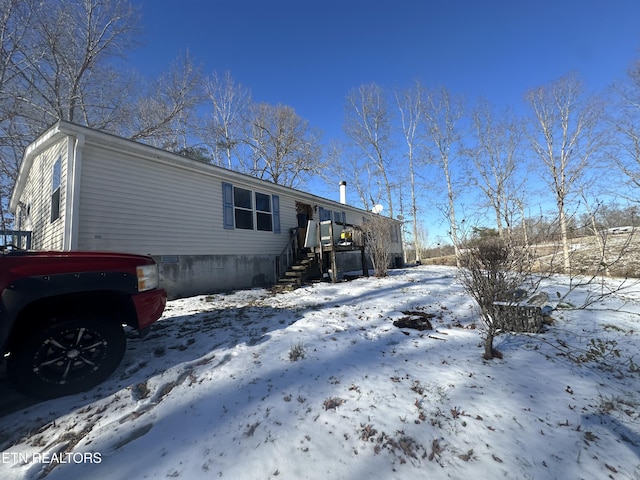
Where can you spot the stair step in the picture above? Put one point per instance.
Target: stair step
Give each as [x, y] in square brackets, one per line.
[293, 276]
[281, 288]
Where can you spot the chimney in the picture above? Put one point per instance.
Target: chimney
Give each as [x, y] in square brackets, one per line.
[343, 192]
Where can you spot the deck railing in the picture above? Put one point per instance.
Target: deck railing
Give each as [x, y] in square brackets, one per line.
[332, 234]
[288, 255]
[15, 238]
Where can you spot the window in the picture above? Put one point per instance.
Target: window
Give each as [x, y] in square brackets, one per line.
[337, 217]
[324, 214]
[263, 212]
[243, 209]
[394, 233]
[55, 189]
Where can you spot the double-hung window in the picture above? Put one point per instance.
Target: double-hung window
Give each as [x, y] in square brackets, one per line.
[243, 208]
[263, 212]
[337, 217]
[248, 210]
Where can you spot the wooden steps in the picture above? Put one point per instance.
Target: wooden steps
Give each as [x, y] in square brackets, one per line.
[305, 268]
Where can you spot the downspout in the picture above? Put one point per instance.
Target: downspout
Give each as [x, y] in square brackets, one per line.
[72, 203]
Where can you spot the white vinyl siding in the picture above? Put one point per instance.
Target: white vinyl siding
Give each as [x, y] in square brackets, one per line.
[36, 199]
[129, 204]
[137, 205]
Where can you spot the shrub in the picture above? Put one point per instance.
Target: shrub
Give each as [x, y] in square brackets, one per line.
[297, 352]
[493, 270]
[377, 234]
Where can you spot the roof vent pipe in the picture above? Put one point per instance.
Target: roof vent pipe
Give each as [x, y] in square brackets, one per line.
[343, 192]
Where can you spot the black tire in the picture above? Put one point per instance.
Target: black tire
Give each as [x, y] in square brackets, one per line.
[69, 356]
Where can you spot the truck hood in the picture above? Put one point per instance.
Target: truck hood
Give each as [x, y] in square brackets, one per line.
[30, 263]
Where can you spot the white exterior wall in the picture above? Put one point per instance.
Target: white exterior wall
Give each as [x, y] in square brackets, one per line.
[139, 205]
[34, 211]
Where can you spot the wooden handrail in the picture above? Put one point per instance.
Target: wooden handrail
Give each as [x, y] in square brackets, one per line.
[288, 254]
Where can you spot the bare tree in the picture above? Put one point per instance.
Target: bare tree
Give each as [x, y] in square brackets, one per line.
[368, 125]
[410, 104]
[626, 127]
[443, 113]
[497, 144]
[285, 150]
[17, 18]
[229, 103]
[565, 137]
[68, 72]
[161, 114]
[344, 164]
[69, 50]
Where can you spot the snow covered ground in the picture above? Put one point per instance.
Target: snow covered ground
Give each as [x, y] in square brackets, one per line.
[319, 384]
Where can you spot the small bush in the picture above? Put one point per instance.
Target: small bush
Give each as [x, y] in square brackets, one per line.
[332, 403]
[297, 352]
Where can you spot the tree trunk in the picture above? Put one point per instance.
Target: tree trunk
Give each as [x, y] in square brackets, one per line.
[499, 223]
[488, 347]
[564, 237]
[452, 216]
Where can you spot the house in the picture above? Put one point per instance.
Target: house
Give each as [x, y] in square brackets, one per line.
[210, 229]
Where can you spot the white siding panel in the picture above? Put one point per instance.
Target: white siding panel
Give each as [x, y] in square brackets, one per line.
[137, 205]
[36, 199]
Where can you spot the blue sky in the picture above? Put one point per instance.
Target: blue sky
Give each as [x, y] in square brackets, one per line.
[309, 54]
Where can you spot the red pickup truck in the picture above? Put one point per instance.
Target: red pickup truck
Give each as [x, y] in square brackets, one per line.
[62, 315]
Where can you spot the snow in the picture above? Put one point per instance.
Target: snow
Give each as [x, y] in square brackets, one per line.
[318, 383]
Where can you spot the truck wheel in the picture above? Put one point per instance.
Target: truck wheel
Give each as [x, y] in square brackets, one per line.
[66, 357]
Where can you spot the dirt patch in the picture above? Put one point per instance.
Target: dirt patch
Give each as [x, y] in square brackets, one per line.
[415, 320]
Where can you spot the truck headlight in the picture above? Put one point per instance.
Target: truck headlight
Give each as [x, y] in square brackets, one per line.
[147, 277]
